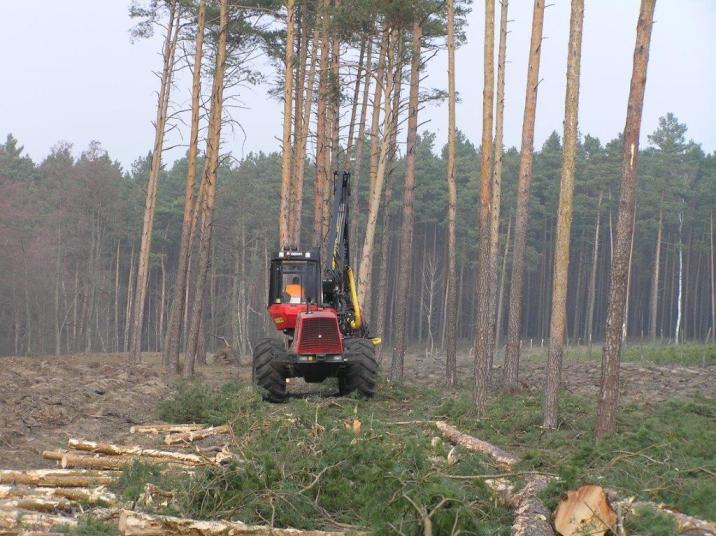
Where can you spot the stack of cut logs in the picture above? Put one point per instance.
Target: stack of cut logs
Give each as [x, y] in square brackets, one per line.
[41, 499]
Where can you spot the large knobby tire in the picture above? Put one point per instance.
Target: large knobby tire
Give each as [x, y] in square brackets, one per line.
[361, 373]
[265, 373]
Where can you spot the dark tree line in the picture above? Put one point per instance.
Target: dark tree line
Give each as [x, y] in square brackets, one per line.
[70, 225]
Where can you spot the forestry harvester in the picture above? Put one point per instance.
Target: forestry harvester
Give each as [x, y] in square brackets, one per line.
[314, 304]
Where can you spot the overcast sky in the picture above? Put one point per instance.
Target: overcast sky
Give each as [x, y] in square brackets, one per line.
[70, 72]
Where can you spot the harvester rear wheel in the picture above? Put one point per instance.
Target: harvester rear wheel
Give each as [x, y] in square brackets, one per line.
[362, 372]
[266, 370]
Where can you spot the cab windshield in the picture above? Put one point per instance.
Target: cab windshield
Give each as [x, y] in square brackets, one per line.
[294, 281]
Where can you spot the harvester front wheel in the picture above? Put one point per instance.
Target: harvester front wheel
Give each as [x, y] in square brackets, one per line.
[267, 369]
[362, 372]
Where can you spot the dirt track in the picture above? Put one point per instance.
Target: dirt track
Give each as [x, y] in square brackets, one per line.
[45, 400]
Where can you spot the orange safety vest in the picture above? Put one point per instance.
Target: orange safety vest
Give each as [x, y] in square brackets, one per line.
[294, 290]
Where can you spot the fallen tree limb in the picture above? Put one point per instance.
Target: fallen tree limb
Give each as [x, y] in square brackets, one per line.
[139, 524]
[69, 478]
[502, 458]
[165, 428]
[196, 435]
[117, 450]
[98, 495]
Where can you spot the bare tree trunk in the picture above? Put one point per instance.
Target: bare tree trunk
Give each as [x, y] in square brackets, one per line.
[628, 285]
[170, 41]
[287, 147]
[128, 310]
[609, 392]
[680, 284]
[406, 231]
[375, 123]
[58, 276]
[451, 283]
[514, 322]
[560, 278]
[482, 328]
[209, 179]
[301, 140]
[116, 298]
[170, 356]
[354, 103]
[386, 236]
[360, 143]
[365, 276]
[654, 301]
[321, 182]
[501, 293]
[497, 183]
[334, 103]
[713, 279]
[593, 276]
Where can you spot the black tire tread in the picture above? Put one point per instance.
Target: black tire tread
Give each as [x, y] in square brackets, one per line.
[264, 374]
[361, 375]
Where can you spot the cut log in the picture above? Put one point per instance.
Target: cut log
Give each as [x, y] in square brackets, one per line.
[53, 454]
[685, 524]
[139, 524]
[531, 515]
[99, 462]
[98, 495]
[36, 504]
[502, 458]
[117, 450]
[57, 478]
[165, 428]
[586, 510]
[22, 521]
[196, 435]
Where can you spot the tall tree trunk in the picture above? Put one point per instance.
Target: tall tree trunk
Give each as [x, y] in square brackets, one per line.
[406, 231]
[170, 42]
[321, 182]
[501, 293]
[609, 392]
[593, 276]
[116, 298]
[654, 300]
[209, 179]
[335, 101]
[130, 294]
[299, 163]
[172, 342]
[482, 329]
[680, 284]
[451, 291]
[713, 278]
[386, 235]
[365, 276]
[497, 183]
[514, 322]
[354, 103]
[287, 147]
[375, 122]
[360, 143]
[560, 277]
[58, 276]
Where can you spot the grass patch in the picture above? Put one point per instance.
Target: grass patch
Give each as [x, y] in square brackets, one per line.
[660, 354]
[302, 466]
[650, 522]
[89, 527]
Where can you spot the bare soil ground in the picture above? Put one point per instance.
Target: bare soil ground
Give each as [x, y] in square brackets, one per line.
[45, 400]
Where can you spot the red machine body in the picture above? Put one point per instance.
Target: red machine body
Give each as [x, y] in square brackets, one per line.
[316, 329]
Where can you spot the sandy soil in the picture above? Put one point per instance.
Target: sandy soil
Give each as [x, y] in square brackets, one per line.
[45, 400]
